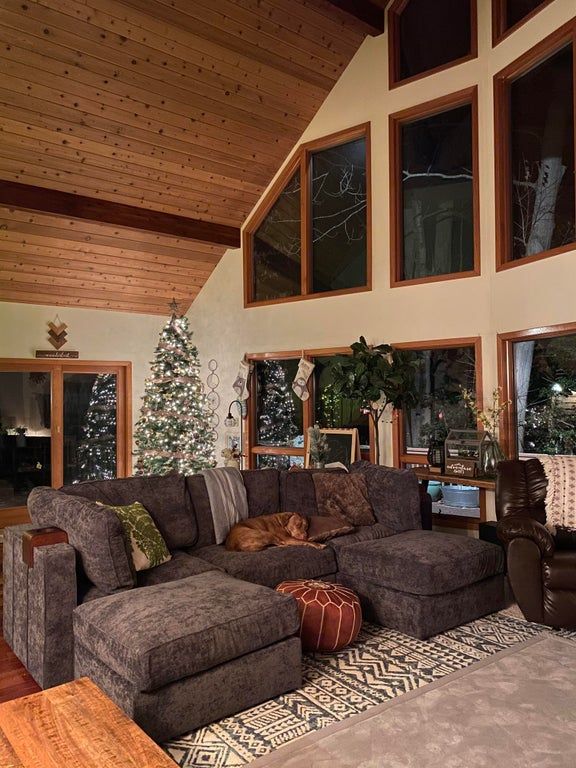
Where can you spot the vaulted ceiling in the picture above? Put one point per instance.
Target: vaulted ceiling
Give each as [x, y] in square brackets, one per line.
[136, 135]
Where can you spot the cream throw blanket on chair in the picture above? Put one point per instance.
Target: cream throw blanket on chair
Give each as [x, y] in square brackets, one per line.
[560, 472]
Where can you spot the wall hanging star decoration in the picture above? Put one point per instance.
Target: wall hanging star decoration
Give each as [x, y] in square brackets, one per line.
[57, 335]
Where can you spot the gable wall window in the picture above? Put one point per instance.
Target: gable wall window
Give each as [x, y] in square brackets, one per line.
[311, 235]
[434, 190]
[535, 182]
[422, 43]
[508, 15]
[278, 419]
[538, 372]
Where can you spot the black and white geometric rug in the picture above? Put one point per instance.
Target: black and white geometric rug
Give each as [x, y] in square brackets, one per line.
[381, 664]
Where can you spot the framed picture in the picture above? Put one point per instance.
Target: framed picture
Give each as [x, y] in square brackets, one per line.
[343, 446]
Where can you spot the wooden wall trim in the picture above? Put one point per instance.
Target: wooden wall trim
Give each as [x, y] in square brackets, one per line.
[396, 121]
[29, 198]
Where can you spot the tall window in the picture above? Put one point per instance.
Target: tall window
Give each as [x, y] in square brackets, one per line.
[540, 379]
[508, 15]
[535, 185]
[446, 366]
[311, 235]
[434, 196]
[422, 42]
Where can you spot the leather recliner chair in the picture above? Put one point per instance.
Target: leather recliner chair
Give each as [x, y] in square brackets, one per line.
[541, 567]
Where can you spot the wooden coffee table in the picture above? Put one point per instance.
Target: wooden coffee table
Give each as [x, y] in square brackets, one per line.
[74, 725]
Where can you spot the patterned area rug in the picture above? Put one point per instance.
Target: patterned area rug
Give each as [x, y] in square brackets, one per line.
[381, 664]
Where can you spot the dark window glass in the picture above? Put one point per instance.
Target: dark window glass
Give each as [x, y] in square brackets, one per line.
[545, 382]
[89, 426]
[279, 418]
[542, 156]
[516, 10]
[432, 34]
[25, 435]
[335, 411]
[338, 195]
[276, 247]
[440, 408]
[437, 194]
[264, 460]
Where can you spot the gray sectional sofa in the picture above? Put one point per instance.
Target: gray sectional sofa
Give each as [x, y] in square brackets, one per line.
[205, 635]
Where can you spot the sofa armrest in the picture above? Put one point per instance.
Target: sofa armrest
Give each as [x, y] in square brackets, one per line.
[425, 508]
[520, 527]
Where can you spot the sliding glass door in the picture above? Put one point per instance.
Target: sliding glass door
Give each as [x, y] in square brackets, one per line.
[61, 423]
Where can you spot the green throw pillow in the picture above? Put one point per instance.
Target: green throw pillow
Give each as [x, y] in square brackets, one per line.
[147, 546]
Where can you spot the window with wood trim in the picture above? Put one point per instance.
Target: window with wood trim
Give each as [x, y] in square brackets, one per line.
[434, 190]
[311, 235]
[425, 37]
[61, 423]
[446, 366]
[508, 15]
[278, 419]
[535, 184]
[538, 370]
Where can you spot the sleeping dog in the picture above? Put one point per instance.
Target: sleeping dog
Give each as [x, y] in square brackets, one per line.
[279, 530]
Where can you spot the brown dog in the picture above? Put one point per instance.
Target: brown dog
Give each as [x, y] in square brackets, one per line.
[280, 530]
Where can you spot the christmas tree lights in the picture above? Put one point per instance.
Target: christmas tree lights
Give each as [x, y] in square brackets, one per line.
[174, 433]
[97, 451]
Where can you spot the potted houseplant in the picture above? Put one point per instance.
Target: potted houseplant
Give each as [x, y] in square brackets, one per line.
[378, 376]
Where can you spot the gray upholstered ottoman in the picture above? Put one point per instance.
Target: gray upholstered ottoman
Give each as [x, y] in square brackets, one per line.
[179, 655]
[424, 582]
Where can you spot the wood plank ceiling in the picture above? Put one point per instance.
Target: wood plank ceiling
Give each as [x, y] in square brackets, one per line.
[182, 108]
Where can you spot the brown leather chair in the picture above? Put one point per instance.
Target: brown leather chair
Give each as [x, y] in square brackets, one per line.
[541, 567]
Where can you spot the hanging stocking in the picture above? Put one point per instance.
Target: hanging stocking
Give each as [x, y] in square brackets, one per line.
[300, 383]
[240, 385]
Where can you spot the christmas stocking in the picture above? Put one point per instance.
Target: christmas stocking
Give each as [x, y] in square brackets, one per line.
[300, 383]
[240, 386]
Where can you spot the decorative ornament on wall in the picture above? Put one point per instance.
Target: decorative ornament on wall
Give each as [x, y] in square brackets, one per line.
[57, 337]
[212, 397]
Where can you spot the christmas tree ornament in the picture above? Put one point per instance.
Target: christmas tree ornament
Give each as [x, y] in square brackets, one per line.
[175, 432]
[300, 383]
[240, 385]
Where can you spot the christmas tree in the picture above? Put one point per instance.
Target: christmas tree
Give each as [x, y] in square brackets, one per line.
[277, 424]
[97, 451]
[173, 433]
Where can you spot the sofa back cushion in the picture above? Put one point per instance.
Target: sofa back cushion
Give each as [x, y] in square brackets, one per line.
[94, 531]
[343, 496]
[393, 494]
[164, 496]
[198, 495]
[262, 490]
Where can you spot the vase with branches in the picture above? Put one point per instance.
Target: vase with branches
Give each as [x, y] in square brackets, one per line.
[378, 376]
[489, 417]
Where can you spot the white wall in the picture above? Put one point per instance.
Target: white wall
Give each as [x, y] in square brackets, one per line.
[527, 296]
[96, 334]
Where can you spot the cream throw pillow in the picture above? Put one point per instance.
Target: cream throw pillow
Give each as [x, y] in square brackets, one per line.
[147, 546]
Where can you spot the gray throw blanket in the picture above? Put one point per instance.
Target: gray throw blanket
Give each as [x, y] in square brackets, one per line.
[228, 500]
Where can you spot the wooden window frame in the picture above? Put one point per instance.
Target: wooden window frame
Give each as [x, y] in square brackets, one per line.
[528, 61]
[251, 448]
[302, 160]
[57, 369]
[499, 29]
[394, 13]
[505, 342]
[396, 123]
[399, 452]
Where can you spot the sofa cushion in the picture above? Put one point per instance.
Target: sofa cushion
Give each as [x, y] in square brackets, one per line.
[164, 496]
[171, 631]
[262, 491]
[198, 496]
[94, 531]
[322, 528]
[179, 567]
[393, 495]
[272, 565]
[147, 547]
[364, 533]
[422, 562]
[344, 496]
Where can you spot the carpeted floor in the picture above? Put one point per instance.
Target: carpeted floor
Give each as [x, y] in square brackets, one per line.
[381, 665]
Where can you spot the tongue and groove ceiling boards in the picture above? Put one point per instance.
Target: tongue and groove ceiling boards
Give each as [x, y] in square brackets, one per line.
[136, 136]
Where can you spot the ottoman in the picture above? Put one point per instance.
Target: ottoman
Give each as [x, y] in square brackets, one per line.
[179, 655]
[330, 614]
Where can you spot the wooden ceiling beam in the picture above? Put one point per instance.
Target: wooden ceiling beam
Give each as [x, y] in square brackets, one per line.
[30, 198]
[365, 11]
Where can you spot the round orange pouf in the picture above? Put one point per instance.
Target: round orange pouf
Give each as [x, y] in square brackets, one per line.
[330, 615]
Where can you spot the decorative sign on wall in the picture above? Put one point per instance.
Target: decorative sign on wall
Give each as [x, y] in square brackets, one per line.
[57, 336]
